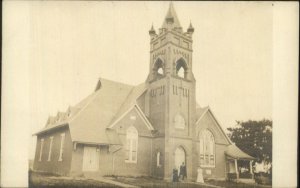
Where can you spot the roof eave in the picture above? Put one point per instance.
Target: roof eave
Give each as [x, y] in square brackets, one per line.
[96, 143]
[51, 129]
[240, 158]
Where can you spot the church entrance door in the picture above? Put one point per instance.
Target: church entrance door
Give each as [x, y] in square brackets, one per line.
[179, 157]
[90, 159]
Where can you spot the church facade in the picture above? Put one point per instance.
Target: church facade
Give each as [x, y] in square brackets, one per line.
[148, 129]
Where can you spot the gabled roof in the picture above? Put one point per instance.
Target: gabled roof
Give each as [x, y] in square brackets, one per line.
[200, 112]
[90, 123]
[53, 121]
[171, 14]
[235, 152]
[89, 120]
[134, 94]
[139, 112]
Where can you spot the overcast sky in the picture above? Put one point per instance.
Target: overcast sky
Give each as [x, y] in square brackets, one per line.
[70, 44]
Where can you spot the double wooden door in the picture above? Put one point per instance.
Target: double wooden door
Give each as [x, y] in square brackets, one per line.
[90, 159]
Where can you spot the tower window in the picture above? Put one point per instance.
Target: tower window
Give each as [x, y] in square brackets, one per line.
[158, 68]
[179, 122]
[160, 71]
[181, 68]
[180, 72]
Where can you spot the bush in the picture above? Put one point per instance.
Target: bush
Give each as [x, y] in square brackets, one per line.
[263, 178]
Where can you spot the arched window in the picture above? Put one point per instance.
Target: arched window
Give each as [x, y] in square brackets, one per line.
[160, 71]
[131, 145]
[181, 68]
[180, 72]
[158, 67]
[179, 122]
[207, 149]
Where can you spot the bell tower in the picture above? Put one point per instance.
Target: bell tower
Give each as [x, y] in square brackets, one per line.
[171, 97]
[171, 49]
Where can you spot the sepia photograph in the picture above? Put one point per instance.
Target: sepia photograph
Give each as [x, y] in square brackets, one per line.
[143, 94]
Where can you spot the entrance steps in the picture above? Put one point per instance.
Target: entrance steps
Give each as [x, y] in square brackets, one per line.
[246, 180]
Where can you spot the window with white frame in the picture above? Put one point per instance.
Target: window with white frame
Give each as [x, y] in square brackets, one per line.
[41, 149]
[131, 145]
[179, 122]
[50, 148]
[207, 149]
[61, 151]
[158, 161]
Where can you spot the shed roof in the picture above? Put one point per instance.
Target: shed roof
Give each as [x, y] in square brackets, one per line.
[235, 152]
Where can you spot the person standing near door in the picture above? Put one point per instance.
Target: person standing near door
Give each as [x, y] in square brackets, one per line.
[175, 175]
[182, 172]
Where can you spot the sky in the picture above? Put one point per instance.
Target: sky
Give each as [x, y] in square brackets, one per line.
[65, 47]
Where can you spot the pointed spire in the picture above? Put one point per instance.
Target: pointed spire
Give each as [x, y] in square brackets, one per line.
[99, 85]
[171, 18]
[152, 30]
[191, 28]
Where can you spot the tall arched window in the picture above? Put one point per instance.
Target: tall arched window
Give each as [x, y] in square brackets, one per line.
[180, 72]
[158, 67]
[181, 68]
[207, 149]
[131, 145]
[179, 122]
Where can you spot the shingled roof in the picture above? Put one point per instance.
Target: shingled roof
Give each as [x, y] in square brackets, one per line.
[90, 119]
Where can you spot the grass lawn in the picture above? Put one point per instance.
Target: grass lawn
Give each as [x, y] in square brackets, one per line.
[42, 180]
[147, 182]
[227, 184]
[39, 180]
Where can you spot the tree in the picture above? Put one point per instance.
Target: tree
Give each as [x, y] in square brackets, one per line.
[254, 138]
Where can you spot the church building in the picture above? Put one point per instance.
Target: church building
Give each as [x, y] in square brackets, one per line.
[143, 130]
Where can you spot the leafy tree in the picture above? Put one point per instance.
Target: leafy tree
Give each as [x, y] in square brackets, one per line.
[254, 138]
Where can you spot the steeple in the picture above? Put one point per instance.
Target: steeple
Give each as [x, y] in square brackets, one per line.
[171, 19]
[191, 29]
[152, 31]
[171, 50]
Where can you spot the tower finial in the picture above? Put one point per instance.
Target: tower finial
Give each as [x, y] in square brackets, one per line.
[152, 31]
[171, 17]
[191, 28]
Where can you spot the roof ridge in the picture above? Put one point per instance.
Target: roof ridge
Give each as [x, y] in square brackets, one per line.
[105, 79]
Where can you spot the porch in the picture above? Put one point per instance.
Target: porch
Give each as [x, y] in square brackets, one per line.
[239, 166]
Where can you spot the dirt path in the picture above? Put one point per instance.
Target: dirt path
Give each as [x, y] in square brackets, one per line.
[109, 181]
